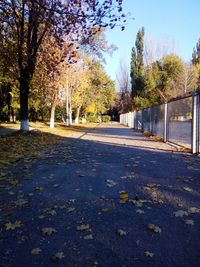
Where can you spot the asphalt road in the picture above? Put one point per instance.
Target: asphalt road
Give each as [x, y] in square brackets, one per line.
[69, 212]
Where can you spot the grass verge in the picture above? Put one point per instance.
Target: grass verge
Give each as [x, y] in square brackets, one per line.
[15, 144]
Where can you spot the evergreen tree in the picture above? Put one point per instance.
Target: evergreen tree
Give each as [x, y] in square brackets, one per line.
[139, 43]
[196, 54]
[133, 69]
[137, 65]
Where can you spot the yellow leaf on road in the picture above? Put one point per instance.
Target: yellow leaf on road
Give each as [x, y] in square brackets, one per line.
[13, 226]
[36, 251]
[58, 255]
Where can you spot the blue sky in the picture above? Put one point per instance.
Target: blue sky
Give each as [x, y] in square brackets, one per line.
[175, 23]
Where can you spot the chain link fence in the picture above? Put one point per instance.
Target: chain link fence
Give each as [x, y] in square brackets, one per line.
[180, 122]
[177, 121]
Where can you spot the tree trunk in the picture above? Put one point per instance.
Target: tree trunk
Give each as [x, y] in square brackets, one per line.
[70, 110]
[24, 92]
[84, 119]
[77, 115]
[53, 107]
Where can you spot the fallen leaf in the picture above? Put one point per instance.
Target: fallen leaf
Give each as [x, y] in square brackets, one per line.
[187, 189]
[83, 227]
[148, 254]
[52, 212]
[180, 213]
[70, 209]
[153, 228]
[55, 185]
[193, 210]
[48, 231]
[39, 188]
[140, 211]
[41, 217]
[189, 222]
[193, 168]
[58, 255]
[105, 209]
[21, 202]
[121, 232]
[123, 195]
[14, 182]
[139, 203]
[36, 251]
[110, 183]
[88, 237]
[13, 226]
[157, 229]
[151, 185]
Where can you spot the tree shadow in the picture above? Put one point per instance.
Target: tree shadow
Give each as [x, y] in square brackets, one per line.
[74, 174]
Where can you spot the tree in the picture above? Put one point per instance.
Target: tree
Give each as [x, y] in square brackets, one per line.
[196, 61]
[123, 80]
[93, 91]
[150, 95]
[50, 75]
[26, 22]
[196, 54]
[96, 45]
[188, 78]
[171, 68]
[104, 89]
[9, 100]
[166, 79]
[139, 44]
[137, 65]
[134, 70]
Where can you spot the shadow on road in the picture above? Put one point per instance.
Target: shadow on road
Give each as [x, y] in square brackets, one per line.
[69, 186]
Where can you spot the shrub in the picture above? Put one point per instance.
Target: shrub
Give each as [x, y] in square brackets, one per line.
[106, 118]
[92, 118]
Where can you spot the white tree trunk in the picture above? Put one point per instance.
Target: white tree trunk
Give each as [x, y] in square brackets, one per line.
[24, 125]
[53, 107]
[84, 119]
[76, 120]
[77, 116]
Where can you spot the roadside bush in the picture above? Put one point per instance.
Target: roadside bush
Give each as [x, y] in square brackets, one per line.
[92, 118]
[106, 118]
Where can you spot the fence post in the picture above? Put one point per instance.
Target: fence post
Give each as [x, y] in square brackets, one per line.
[151, 120]
[166, 123]
[142, 121]
[195, 123]
[131, 120]
[134, 120]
